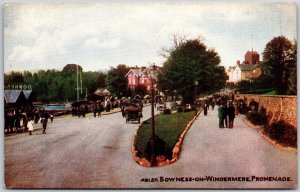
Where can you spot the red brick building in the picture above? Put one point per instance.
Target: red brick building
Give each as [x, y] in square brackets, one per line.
[248, 70]
[252, 57]
[136, 76]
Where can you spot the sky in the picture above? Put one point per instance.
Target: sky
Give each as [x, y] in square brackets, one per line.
[98, 36]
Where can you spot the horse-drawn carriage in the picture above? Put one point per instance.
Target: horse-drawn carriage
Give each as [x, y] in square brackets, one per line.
[132, 114]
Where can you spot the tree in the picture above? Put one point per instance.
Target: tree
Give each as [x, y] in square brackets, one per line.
[191, 61]
[279, 58]
[292, 81]
[100, 80]
[71, 69]
[116, 80]
[140, 90]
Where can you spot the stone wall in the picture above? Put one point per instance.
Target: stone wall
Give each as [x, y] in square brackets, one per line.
[279, 107]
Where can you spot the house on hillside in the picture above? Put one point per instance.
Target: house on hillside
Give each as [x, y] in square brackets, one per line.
[248, 70]
[136, 76]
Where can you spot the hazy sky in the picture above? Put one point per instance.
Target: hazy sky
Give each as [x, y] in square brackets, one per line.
[99, 36]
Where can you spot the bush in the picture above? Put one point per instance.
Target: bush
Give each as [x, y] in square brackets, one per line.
[167, 111]
[283, 133]
[180, 109]
[160, 148]
[242, 107]
[257, 118]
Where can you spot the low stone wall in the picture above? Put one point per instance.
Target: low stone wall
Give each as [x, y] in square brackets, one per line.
[279, 107]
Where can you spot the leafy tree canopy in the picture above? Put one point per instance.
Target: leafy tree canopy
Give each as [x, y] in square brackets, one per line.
[57, 86]
[71, 69]
[279, 59]
[190, 61]
[116, 81]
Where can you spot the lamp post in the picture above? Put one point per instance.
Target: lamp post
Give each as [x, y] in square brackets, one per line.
[175, 93]
[152, 73]
[196, 84]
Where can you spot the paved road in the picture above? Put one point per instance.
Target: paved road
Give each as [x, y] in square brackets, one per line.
[96, 153]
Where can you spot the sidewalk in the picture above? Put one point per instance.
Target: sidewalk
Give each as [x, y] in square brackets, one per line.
[240, 151]
[116, 110]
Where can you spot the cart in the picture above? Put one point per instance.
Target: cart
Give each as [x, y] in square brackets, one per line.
[132, 114]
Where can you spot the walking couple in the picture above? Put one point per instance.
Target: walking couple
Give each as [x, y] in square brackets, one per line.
[226, 114]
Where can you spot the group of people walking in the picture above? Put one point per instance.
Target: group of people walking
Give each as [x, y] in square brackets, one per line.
[19, 121]
[97, 109]
[226, 110]
[226, 114]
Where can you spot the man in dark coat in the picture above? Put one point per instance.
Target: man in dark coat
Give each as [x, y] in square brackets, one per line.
[205, 109]
[231, 115]
[221, 115]
[95, 109]
[100, 109]
[44, 121]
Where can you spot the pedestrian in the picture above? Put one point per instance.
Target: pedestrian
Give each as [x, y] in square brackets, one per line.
[221, 114]
[44, 123]
[95, 109]
[205, 108]
[100, 109]
[83, 111]
[236, 111]
[123, 110]
[231, 114]
[79, 111]
[213, 103]
[108, 106]
[30, 126]
[226, 121]
[18, 122]
[51, 117]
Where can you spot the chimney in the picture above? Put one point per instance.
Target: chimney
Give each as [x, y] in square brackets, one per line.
[238, 62]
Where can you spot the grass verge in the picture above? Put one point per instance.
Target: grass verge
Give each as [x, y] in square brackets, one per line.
[168, 128]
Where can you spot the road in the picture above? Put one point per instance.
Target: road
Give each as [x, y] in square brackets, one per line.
[96, 153]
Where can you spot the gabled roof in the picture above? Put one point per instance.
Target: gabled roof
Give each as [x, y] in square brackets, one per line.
[137, 71]
[27, 93]
[11, 96]
[231, 68]
[247, 67]
[141, 72]
[102, 92]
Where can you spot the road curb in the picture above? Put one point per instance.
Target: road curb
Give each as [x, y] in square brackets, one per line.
[161, 160]
[266, 137]
[277, 145]
[88, 114]
[251, 125]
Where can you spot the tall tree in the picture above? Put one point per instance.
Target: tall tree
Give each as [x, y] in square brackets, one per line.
[116, 81]
[292, 81]
[100, 80]
[71, 69]
[279, 58]
[190, 61]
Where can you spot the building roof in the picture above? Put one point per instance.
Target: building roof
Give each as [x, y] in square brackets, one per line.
[11, 96]
[231, 68]
[252, 52]
[102, 92]
[137, 71]
[27, 93]
[247, 67]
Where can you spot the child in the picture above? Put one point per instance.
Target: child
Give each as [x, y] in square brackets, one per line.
[30, 126]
